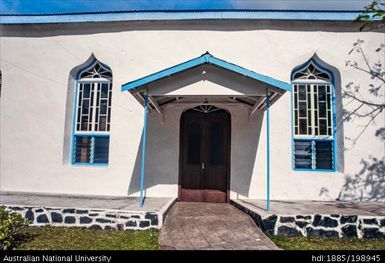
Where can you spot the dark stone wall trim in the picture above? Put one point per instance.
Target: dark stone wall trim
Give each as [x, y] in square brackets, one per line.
[90, 218]
[318, 225]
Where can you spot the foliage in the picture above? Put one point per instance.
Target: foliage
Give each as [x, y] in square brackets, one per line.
[10, 225]
[308, 243]
[373, 16]
[75, 238]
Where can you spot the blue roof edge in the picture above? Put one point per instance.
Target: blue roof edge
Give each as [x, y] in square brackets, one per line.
[177, 15]
[205, 59]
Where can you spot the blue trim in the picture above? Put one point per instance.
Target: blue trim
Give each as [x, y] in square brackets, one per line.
[268, 152]
[292, 126]
[205, 59]
[91, 164]
[93, 134]
[92, 150]
[72, 153]
[94, 60]
[313, 170]
[335, 159]
[313, 162]
[164, 73]
[179, 15]
[306, 64]
[72, 146]
[314, 139]
[143, 151]
[248, 73]
[334, 139]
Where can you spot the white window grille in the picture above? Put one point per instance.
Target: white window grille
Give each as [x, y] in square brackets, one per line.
[92, 115]
[313, 122]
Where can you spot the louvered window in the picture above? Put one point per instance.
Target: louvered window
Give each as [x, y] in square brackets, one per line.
[92, 115]
[313, 154]
[91, 149]
[313, 122]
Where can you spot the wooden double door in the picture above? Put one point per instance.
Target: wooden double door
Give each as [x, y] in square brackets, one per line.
[205, 156]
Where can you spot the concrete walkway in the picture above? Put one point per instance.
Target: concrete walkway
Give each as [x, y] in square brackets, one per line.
[301, 207]
[153, 204]
[191, 226]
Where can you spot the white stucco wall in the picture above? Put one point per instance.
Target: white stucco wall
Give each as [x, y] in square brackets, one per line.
[36, 62]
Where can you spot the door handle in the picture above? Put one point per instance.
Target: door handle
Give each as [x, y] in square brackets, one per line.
[203, 165]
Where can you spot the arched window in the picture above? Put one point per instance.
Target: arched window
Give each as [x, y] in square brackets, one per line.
[313, 118]
[92, 115]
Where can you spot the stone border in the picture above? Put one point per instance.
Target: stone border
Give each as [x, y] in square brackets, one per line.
[318, 225]
[107, 219]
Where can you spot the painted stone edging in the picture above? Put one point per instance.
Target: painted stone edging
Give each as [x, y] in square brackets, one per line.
[319, 225]
[90, 218]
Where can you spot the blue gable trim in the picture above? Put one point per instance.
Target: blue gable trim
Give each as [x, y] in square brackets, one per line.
[178, 15]
[205, 59]
[164, 73]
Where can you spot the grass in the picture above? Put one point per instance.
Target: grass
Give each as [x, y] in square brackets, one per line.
[66, 238]
[306, 243]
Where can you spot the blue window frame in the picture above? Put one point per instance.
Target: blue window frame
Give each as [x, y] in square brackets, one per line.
[92, 115]
[91, 149]
[313, 118]
[313, 154]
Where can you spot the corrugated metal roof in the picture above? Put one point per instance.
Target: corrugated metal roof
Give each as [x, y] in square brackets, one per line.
[155, 16]
[47, 7]
[50, 11]
[186, 11]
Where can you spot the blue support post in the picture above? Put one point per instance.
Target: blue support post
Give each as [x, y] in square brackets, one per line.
[268, 152]
[143, 151]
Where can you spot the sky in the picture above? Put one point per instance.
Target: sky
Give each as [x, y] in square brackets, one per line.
[80, 6]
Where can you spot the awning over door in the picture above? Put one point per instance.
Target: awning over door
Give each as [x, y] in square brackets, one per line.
[206, 80]
[206, 77]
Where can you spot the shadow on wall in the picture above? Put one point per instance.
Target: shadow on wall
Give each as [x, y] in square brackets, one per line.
[44, 30]
[162, 157]
[134, 186]
[245, 152]
[366, 185]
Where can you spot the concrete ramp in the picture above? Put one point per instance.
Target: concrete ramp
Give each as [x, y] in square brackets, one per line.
[201, 226]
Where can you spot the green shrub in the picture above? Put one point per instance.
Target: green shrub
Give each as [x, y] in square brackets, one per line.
[10, 224]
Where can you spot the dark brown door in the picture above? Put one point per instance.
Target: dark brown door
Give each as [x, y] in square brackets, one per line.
[205, 156]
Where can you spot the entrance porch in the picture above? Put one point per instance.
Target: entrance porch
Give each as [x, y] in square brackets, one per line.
[199, 85]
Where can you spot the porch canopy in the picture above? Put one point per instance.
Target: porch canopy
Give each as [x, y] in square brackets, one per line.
[206, 77]
[208, 80]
